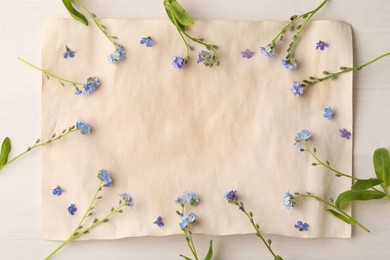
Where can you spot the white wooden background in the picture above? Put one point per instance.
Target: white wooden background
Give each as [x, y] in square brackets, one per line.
[20, 228]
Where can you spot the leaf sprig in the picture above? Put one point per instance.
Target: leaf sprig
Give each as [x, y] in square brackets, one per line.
[182, 21]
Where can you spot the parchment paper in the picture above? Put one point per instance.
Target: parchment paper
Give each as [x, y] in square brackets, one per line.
[161, 131]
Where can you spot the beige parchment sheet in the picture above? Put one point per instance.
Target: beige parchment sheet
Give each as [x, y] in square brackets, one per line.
[161, 131]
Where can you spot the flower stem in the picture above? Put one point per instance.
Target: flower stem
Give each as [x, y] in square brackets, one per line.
[47, 73]
[38, 145]
[93, 16]
[258, 233]
[299, 33]
[314, 80]
[338, 173]
[334, 207]
[188, 234]
[208, 46]
[86, 230]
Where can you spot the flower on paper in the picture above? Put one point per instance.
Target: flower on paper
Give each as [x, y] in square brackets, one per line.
[297, 88]
[128, 199]
[89, 87]
[178, 62]
[231, 196]
[268, 51]
[290, 64]
[303, 135]
[147, 41]
[105, 177]
[117, 55]
[289, 201]
[159, 222]
[83, 127]
[206, 58]
[247, 54]
[321, 45]
[69, 53]
[344, 133]
[328, 113]
[57, 191]
[72, 209]
[190, 198]
[301, 226]
[186, 219]
[78, 91]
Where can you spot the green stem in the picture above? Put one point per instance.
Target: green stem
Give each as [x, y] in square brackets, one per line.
[208, 46]
[50, 74]
[181, 35]
[326, 165]
[188, 234]
[192, 243]
[258, 233]
[84, 231]
[334, 75]
[88, 209]
[298, 35]
[332, 206]
[93, 16]
[38, 145]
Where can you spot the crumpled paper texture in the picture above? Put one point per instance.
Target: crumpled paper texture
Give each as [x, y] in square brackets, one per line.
[161, 131]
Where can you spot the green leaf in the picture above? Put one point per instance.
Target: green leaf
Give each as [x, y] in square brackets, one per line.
[186, 258]
[278, 257]
[5, 150]
[382, 166]
[170, 12]
[366, 184]
[342, 217]
[181, 14]
[352, 195]
[210, 252]
[74, 13]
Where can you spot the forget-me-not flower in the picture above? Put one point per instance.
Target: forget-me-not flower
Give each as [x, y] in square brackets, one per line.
[57, 191]
[72, 209]
[147, 41]
[328, 113]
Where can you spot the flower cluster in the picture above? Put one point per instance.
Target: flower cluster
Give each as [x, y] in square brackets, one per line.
[268, 51]
[206, 58]
[187, 219]
[83, 127]
[89, 87]
[297, 88]
[178, 62]
[117, 55]
[247, 54]
[289, 201]
[188, 197]
[105, 177]
[127, 199]
[147, 41]
[290, 64]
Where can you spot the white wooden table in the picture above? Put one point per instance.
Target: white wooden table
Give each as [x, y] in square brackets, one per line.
[20, 227]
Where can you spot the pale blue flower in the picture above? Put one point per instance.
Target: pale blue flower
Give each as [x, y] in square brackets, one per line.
[328, 113]
[206, 58]
[147, 41]
[289, 201]
[303, 135]
[91, 85]
[186, 219]
[83, 127]
[191, 198]
[178, 62]
[297, 88]
[231, 195]
[105, 177]
[290, 64]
